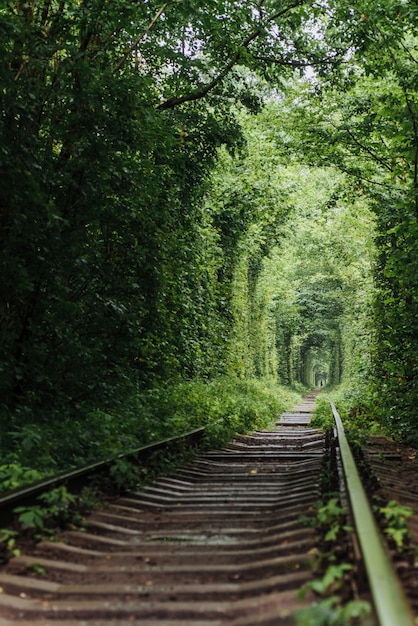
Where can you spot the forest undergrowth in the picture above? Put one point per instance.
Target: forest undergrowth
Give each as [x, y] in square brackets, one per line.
[225, 406]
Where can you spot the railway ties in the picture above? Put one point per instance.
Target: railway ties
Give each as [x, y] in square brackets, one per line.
[221, 542]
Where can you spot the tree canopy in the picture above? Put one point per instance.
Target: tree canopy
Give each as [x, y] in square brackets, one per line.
[185, 195]
[365, 121]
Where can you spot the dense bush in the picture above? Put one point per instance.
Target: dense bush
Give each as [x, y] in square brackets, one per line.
[225, 405]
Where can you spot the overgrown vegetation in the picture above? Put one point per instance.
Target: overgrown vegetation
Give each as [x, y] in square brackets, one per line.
[225, 406]
[395, 517]
[201, 201]
[330, 520]
[329, 613]
[332, 584]
[54, 510]
[205, 208]
[117, 275]
[364, 120]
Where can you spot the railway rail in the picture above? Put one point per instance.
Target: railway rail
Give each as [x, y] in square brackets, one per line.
[220, 542]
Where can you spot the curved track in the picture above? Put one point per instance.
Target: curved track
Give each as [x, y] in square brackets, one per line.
[220, 543]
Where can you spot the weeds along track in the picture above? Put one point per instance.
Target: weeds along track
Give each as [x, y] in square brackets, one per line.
[221, 542]
[394, 471]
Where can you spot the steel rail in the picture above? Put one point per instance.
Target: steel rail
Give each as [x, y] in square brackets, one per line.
[77, 477]
[390, 603]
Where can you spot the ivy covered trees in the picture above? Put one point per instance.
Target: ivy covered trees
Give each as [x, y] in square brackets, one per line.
[364, 120]
[176, 205]
[302, 266]
[101, 226]
[114, 271]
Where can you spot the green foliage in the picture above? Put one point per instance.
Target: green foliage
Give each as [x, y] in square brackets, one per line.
[35, 569]
[330, 521]
[364, 121]
[396, 516]
[57, 507]
[125, 475]
[331, 581]
[225, 405]
[395, 310]
[8, 547]
[356, 406]
[323, 417]
[32, 516]
[327, 612]
[329, 516]
[14, 475]
[116, 274]
[59, 503]
[331, 609]
[109, 268]
[110, 260]
[155, 231]
[299, 256]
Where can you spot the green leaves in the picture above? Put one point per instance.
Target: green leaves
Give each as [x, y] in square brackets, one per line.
[108, 281]
[14, 475]
[333, 578]
[396, 516]
[57, 507]
[363, 119]
[328, 612]
[31, 517]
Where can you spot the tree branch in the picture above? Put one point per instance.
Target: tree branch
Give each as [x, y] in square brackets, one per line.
[132, 47]
[202, 91]
[409, 53]
[171, 103]
[355, 174]
[275, 61]
[368, 150]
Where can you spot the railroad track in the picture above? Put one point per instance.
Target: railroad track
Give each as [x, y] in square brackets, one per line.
[219, 543]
